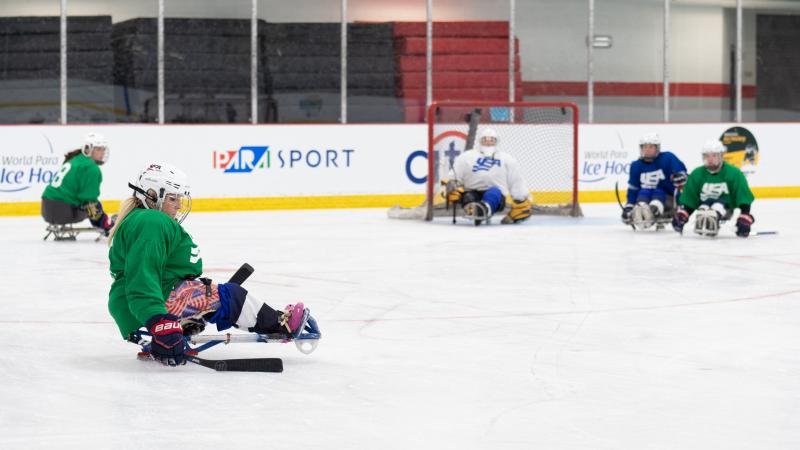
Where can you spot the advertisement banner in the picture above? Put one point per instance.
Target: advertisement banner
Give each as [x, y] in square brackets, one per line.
[372, 164]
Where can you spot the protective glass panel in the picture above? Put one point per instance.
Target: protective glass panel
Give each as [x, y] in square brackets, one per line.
[628, 61]
[299, 53]
[112, 61]
[552, 42]
[770, 61]
[104, 62]
[207, 50]
[376, 80]
[31, 62]
[470, 53]
[702, 84]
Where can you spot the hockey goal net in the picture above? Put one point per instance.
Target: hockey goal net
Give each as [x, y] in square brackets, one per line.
[543, 137]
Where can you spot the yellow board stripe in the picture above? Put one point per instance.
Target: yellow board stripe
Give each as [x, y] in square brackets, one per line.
[355, 201]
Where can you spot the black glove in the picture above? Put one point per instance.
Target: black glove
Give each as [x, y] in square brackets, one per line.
[167, 345]
[679, 179]
[627, 212]
[743, 225]
[679, 220]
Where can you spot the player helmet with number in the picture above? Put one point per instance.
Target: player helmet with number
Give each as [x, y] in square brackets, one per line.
[712, 155]
[645, 152]
[157, 182]
[487, 141]
[95, 141]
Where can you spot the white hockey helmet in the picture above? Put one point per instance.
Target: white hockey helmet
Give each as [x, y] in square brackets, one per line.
[94, 141]
[487, 141]
[160, 181]
[712, 155]
[649, 139]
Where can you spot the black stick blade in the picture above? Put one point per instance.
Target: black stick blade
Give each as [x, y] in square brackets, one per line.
[241, 365]
[242, 274]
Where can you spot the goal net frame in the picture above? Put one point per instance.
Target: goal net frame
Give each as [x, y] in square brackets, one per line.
[570, 209]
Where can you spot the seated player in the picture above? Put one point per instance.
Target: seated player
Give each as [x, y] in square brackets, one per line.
[480, 181]
[73, 194]
[714, 190]
[652, 183]
[156, 267]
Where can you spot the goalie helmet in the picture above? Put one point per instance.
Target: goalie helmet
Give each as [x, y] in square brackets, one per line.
[92, 142]
[649, 139]
[487, 141]
[712, 155]
[161, 183]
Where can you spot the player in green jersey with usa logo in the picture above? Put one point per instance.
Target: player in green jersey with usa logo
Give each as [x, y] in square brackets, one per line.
[156, 267]
[714, 190]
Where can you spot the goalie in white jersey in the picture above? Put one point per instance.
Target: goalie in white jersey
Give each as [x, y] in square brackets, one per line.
[481, 179]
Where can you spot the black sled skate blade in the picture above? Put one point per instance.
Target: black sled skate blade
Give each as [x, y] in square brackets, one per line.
[274, 365]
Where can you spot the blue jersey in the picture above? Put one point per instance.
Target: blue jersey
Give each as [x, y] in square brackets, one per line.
[654, 175]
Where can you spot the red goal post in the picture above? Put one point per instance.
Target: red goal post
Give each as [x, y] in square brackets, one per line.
[542, 136]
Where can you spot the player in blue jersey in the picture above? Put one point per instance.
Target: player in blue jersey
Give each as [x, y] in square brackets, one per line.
[654, 178]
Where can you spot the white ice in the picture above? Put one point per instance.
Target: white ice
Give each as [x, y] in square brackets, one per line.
[559, 333]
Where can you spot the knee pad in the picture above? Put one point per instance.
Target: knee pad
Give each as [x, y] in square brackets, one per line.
[658, 205]
[643, 217]
[495, 199]
[720, 209]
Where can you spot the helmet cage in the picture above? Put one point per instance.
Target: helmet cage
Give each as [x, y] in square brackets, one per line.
[155, 184]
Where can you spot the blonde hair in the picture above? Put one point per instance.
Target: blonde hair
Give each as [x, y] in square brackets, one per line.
[127, 205]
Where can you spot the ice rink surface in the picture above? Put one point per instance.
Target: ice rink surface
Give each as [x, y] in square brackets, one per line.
[559, 333]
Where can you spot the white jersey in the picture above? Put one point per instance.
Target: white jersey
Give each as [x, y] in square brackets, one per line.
[477, 172]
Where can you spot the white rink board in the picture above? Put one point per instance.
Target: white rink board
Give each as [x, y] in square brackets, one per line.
[302, 160]
[330, 160]
[606, 151]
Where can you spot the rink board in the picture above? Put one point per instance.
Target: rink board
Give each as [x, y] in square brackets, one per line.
[246, 167]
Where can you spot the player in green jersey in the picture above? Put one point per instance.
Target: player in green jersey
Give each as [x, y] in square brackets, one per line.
[156, 267]
[73, 194]
[714, 190]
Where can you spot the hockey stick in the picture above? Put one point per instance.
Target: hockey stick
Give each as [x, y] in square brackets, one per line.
[676, 206]
[273, 365]
[242, 274]
[619, 202]
[472, 120]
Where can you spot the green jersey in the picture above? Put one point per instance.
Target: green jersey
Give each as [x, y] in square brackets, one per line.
[76, 183]
[150, 254]
[728, 186]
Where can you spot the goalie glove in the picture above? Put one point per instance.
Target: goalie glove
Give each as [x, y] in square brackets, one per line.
[678, 180]
[454, 192]
[520, 210]
[743, 224]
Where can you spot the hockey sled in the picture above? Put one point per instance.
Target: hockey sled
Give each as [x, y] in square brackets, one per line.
[69, 233]
[306, 338]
